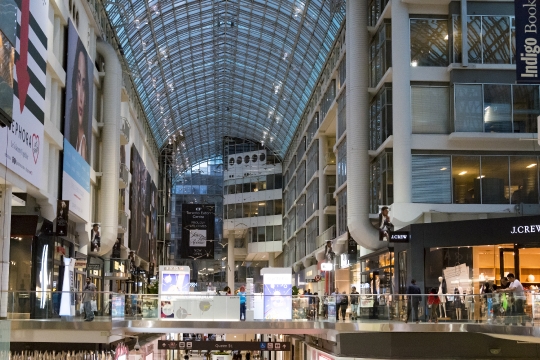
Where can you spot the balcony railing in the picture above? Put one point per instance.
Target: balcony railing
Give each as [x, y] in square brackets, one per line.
[124, 131]
[329, 200]
[123, 176]
[328, 234]
[330, 158]
[122, 221]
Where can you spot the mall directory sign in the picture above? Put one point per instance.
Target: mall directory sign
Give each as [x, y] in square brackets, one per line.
[223, 345]
[198, 221]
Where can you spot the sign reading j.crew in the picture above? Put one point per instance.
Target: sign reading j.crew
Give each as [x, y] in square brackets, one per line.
[527, 41]
[525, 229]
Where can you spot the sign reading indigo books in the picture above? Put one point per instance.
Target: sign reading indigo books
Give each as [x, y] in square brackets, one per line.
[197, 231]
[527, 41]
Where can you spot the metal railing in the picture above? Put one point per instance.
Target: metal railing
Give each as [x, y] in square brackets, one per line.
[122, 221]
[328, 234]
[494, 309]
[125, 131]
[123, 176]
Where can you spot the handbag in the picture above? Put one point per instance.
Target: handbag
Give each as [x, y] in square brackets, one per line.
[93, 305]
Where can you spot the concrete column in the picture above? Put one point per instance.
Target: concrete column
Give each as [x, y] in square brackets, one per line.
[5, 235]
[230, 260]
[401, 106]
[323, 149]
[271, 259]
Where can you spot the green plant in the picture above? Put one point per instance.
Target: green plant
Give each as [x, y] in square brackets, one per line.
[295, 290]
[153, 287]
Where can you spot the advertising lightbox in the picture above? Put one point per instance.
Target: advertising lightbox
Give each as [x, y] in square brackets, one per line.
[277, 293]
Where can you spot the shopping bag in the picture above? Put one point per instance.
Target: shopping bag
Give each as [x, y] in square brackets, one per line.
[93, 305]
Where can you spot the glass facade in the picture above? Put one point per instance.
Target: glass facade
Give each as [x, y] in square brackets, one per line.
[342, 163]
[380, 117]
[429, 42]
[380, 54]
[381, 182]
[430, 109]
[342, 212]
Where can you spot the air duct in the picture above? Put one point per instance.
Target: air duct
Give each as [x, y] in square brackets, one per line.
[357, 122]
[112, 87]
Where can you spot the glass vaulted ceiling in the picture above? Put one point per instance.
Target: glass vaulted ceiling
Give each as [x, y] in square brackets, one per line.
[205, 69]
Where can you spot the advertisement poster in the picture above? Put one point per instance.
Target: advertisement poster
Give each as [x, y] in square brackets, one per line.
[62, 211]
[143, 207]
[21, 147]
[198, 231]
[118, 306]
[78, 126]
[95, 238]
[277, 295]
[67, 301]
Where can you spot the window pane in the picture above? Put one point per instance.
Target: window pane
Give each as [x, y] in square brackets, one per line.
[278, 232]
[524, 179]
[429, 42]
[232, 189]
[497, 108]
[494, 180]
[495, 31]
[468, 108]
[231, 211]
[465, 170]
[270, 207]
[431, 179]
[430, 110]
[246, 187]
[270, 182]
[246, 211]
[526, 108]
[238, 211]
[269, 233]
[261, 231]
[278, 206]
[278, 181]
[474, 38]
[262, 208]
[238, 188]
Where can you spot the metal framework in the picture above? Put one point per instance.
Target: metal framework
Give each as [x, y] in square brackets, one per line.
[206, 69]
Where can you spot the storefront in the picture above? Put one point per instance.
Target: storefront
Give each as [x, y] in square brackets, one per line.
[458, 258]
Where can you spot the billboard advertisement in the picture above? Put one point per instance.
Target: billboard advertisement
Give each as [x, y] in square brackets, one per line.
[143, 206]
[198, 231]
[21, 147]
[277, 293]
[78, 126]
[527, 41]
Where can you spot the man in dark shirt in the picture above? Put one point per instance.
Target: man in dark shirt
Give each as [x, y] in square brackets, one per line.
[413, 301]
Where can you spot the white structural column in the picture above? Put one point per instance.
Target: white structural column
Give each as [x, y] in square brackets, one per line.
[323, 149]
[112, 87]
[401, 103]
[271, 259]
[230, 260]
[5, 236]
[357, 111]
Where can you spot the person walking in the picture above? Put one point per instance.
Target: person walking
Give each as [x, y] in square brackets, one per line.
[344, 305]
[337, 296]
[354, 303]
[433, 301]
[89, 294]
[413, 300]
[242, 294]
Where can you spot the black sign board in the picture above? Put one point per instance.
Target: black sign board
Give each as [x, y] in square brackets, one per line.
[399, 236]
[62, 210]
[223, 345]
[197, 231]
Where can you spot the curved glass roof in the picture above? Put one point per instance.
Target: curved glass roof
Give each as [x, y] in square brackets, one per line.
[205, 69]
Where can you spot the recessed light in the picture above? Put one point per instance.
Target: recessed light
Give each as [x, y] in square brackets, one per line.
[414, 63]
[442, 169]
[462, 173]
[530, 166]
[480, 177]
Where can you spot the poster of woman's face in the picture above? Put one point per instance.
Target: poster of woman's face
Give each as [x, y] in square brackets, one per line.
[79, 95]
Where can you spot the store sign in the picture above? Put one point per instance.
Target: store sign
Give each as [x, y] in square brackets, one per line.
[527, 41]
[223, 345]
[326, 266]
[80, 263]
[399, 236]
[525, 229]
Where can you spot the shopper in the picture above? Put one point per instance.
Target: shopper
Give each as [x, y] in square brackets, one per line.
[317, 305]
[242, 294]
[227, 290]
[516, 289]
[413, 300]
[354, 303]
[433, 301]
[337, 298]
[89, 294]
[344, 305]
[325, 306]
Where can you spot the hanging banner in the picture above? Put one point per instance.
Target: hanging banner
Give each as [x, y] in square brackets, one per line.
[527, 41]
[198, 231]
[62, 210]
[352, 245]
[23, 150]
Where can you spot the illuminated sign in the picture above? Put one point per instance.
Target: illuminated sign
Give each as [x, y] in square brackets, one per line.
[326, 266]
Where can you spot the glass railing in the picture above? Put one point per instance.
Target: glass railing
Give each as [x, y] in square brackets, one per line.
[124, 176]
[494, 309]
[328, 234]
[330, 200]
[330, 158]
[124, 131]
[122, 221]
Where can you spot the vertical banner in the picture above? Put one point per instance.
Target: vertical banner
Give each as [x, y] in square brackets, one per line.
[62, 211]
[527, 41]
[67, 301]
[95, 238]
[78, 126]
[198, 231]
[21, 145]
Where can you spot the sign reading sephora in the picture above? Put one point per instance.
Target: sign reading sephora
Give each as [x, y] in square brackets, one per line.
[527, 41]
[198, 231]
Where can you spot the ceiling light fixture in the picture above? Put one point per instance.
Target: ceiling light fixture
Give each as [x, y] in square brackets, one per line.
[530, 166]
[462, 173]
[442, 169]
